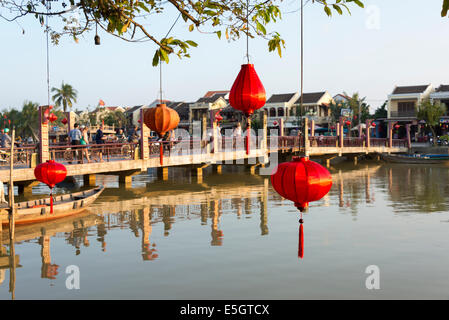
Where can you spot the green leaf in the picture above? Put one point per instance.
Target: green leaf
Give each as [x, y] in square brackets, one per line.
[328, 11]
[164, 55]
[260, 27]
[156, 59]
[192, 43]
[445, 8]
[218, 34]
[191, 27]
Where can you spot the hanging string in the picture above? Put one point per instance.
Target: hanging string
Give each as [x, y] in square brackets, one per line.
[48, 55]
[247, 30]
[160, 61]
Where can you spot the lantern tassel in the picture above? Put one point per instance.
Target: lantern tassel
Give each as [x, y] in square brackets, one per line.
[51, 201]
[161, 154]
[301, 239]
[248, 135]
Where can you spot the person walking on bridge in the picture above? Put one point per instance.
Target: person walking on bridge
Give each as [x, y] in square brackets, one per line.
[75, 136]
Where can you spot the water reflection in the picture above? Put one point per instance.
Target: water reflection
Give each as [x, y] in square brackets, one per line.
[136, 211]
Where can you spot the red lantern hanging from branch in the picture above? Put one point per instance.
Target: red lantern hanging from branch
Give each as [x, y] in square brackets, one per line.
[397, 126]
[301, 181]
[247, 95]
[348, 123]
[50, 173]
[64, 121]
[373, 124]
[161, 119]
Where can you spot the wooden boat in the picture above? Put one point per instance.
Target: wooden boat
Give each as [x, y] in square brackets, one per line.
[417, 158]
[63, 206]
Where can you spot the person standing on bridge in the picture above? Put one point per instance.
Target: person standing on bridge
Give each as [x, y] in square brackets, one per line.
[75, 136]
[100, 139]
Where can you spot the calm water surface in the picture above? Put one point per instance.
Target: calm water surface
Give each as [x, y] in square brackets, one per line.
[233, 237]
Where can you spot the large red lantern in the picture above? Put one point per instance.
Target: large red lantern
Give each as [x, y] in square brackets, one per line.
[247, 95]
[161, 119]
[50, 173]
[301, 181]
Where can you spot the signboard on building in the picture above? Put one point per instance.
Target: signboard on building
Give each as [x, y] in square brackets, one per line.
[346, 113]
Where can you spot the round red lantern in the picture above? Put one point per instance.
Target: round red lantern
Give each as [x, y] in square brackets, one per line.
[218, 117]
[64, 121]
[52, 117]
[161, 119]
[47, 114]
[373, 124]
[348, 123]
[397, 126]
[301, 181]
[50, 173]
[247, 95]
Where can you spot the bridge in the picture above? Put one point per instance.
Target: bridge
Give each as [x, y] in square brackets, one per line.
[194, 152]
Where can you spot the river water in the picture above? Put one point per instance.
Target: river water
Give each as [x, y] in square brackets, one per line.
[233, 237]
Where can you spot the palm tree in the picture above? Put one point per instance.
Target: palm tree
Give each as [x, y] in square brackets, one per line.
[64, 96]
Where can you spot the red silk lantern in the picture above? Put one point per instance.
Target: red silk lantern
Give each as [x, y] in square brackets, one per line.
[161, 119]
[52, 117]
[50, 173]
[373, 124]
[47, 114]
[218, 117]
[397, 126]
[301, 181]
[348, 123]
[247, 95]
[64, 121]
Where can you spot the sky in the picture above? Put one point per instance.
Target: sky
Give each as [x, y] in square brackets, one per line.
[389, 43]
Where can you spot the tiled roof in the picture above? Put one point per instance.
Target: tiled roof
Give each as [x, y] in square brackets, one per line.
[212, 93]
[131, 110]
[212, 99]
[443, 88]
[410, 89]
[312, 97]
[279, 98]
[182, 108]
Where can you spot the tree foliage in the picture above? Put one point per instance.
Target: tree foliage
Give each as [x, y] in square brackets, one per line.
[431, 113]
[127, 19]
[381, 112]
[65, 96]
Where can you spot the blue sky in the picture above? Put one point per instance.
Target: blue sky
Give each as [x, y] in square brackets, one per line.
[391, 42]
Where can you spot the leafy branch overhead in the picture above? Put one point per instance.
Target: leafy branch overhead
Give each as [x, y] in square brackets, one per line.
[129, 19]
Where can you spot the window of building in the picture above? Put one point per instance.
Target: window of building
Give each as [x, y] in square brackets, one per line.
[280, 112]
[406, 107]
